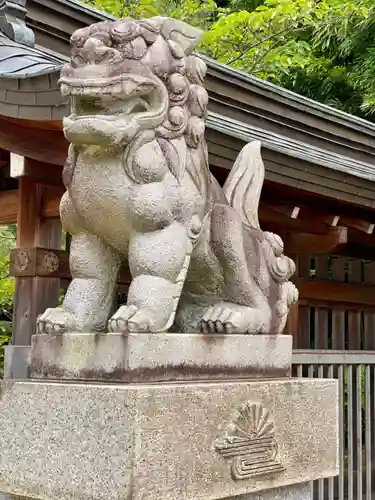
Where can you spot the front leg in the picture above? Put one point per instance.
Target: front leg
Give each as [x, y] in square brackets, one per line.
[158, 262]
[87, 305]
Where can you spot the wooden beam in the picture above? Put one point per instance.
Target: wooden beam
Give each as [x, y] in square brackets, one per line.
[331, 220]
[47, 146]
[274, 220]
[330, 293]
[309, 213]
[29, 262]
[39, 262]
[8, 207]
[291, 211]
[308, 244]
[50, 201]
[360, 225]
[43, 173]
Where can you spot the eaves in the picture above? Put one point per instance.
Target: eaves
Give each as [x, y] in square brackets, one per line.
[291, 147]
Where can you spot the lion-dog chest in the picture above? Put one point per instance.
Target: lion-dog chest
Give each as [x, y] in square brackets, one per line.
[111, 203]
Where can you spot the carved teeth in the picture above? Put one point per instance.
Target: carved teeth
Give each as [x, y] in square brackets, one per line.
[123, 88]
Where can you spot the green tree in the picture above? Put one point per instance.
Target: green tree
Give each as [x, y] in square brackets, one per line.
[322, 49]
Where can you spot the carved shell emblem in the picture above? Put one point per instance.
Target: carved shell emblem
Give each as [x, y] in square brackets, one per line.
[249, 443]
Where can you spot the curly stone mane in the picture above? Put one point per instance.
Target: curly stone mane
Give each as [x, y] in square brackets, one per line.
[157, 46]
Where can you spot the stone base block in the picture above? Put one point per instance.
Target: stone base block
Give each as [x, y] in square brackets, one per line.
[17, 361]
[188, 441]
[159, 357]
[293, 492]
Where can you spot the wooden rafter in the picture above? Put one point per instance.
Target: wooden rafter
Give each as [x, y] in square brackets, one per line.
[333, 241]
[45, 173]
[329, 292]
[362, 225]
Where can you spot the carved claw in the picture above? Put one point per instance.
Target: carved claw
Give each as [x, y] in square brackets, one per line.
[232, 318]
[134, 320]
[55, 321]
[119, 321]
[218, 319]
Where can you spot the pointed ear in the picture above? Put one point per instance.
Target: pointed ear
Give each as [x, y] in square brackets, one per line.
[182, 33]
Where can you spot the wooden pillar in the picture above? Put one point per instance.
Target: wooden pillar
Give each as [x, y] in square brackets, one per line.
[33, 294]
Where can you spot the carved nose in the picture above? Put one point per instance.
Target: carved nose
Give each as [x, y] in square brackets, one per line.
[95, 51]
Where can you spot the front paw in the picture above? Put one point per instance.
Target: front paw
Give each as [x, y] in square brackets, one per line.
[134, 320]
[56, 320]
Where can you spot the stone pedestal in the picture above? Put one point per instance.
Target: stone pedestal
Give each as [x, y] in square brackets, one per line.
[253, 436]
[17, 361]
[159, 357]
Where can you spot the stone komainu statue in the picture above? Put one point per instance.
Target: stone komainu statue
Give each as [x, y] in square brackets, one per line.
[139, 190]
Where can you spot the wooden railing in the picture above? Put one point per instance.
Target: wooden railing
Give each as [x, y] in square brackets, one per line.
[355, 371]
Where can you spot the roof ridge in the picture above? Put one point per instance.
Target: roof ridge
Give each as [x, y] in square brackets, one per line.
[291, 147]
[286, 93]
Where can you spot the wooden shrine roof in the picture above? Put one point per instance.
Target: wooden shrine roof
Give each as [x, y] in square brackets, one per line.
[19, 61]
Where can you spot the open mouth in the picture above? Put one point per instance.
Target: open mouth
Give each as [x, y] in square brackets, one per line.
[108, 99]
[108, 108]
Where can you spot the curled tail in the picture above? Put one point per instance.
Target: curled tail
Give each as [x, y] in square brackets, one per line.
[244, 184]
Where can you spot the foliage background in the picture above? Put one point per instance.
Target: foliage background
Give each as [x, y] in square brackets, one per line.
[322, 49]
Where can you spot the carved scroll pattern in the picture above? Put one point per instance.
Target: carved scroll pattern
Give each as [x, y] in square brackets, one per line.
[250, 443]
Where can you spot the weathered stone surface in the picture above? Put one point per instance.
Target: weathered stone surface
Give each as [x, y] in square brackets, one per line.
[140, 191]
[17, 361]
[157, 442]
[293, 492]
[160, 356]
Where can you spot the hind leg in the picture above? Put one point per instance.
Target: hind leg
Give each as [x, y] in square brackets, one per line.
[228, 317]
[243, 307]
